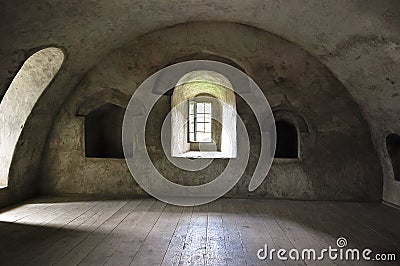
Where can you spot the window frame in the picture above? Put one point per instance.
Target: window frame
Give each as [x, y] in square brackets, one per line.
[195, 117]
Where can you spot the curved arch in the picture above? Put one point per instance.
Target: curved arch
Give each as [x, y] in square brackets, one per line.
[203, 82]
[110, 96]
[292, 117]
[210, 88]
[205, 56]
[29, 83]
[97, 100]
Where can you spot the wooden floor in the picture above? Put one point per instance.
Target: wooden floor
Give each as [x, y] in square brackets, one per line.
[60, 231]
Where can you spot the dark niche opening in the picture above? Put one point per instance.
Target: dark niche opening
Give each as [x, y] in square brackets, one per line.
[287, 140]
[393, 147]
[103, 132]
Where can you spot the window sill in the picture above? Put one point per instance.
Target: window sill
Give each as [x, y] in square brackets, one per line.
[104, 159]
[205, 155]
[287, 160]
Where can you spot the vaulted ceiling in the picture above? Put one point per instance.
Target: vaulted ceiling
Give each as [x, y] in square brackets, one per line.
[358, 40]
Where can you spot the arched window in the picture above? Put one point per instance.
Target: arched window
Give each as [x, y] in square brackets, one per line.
[393, 148]
[200, 121]
[31, 80]
[203, 116]
[103, 132]
[286, 140]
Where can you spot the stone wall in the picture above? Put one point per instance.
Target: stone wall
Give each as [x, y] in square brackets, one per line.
[337, 157]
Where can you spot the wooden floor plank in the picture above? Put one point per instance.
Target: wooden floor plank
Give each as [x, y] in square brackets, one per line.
[110, 245]
[328, 225]
[130, 245]
[215, 245]
[195, 244]
[34, 239]
[295, 231]
[176, 246]
[376, 219]
[155, 245]
[234, 249]
[254, 234]
[19, 211]
[360, 233]
[80, 251]
[22, 211]
[276, 232]
[77, 232]
[314, 222]
[223, 232]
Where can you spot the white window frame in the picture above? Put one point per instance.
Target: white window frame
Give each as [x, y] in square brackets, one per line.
[199, 122]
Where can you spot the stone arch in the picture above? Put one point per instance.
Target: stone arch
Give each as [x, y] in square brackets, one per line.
[305, 136]
[107, 106]
[205, 56]
[110, 96]
[27, 86]
[293, 117]
[217, 89]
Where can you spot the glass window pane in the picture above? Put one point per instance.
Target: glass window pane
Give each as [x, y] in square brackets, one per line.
[199, 136]
[207, 137]
[191, 137]
[200, 118]
[191, 127]
[207, 127]
[200, 107]
[207, 107]
[200, 121]
[207, 118]
[200, 127]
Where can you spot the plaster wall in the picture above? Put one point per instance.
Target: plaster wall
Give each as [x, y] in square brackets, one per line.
[358, 41]
[338, 159]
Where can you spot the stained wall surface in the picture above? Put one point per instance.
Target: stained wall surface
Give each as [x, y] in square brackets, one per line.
[358, 41]
[338, 159]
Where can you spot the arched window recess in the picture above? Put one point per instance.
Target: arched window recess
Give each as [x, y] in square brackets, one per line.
[203, 116]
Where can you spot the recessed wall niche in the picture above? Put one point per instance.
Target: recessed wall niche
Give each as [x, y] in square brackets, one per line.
[393, 148]
[286, 140]
[103, 132]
